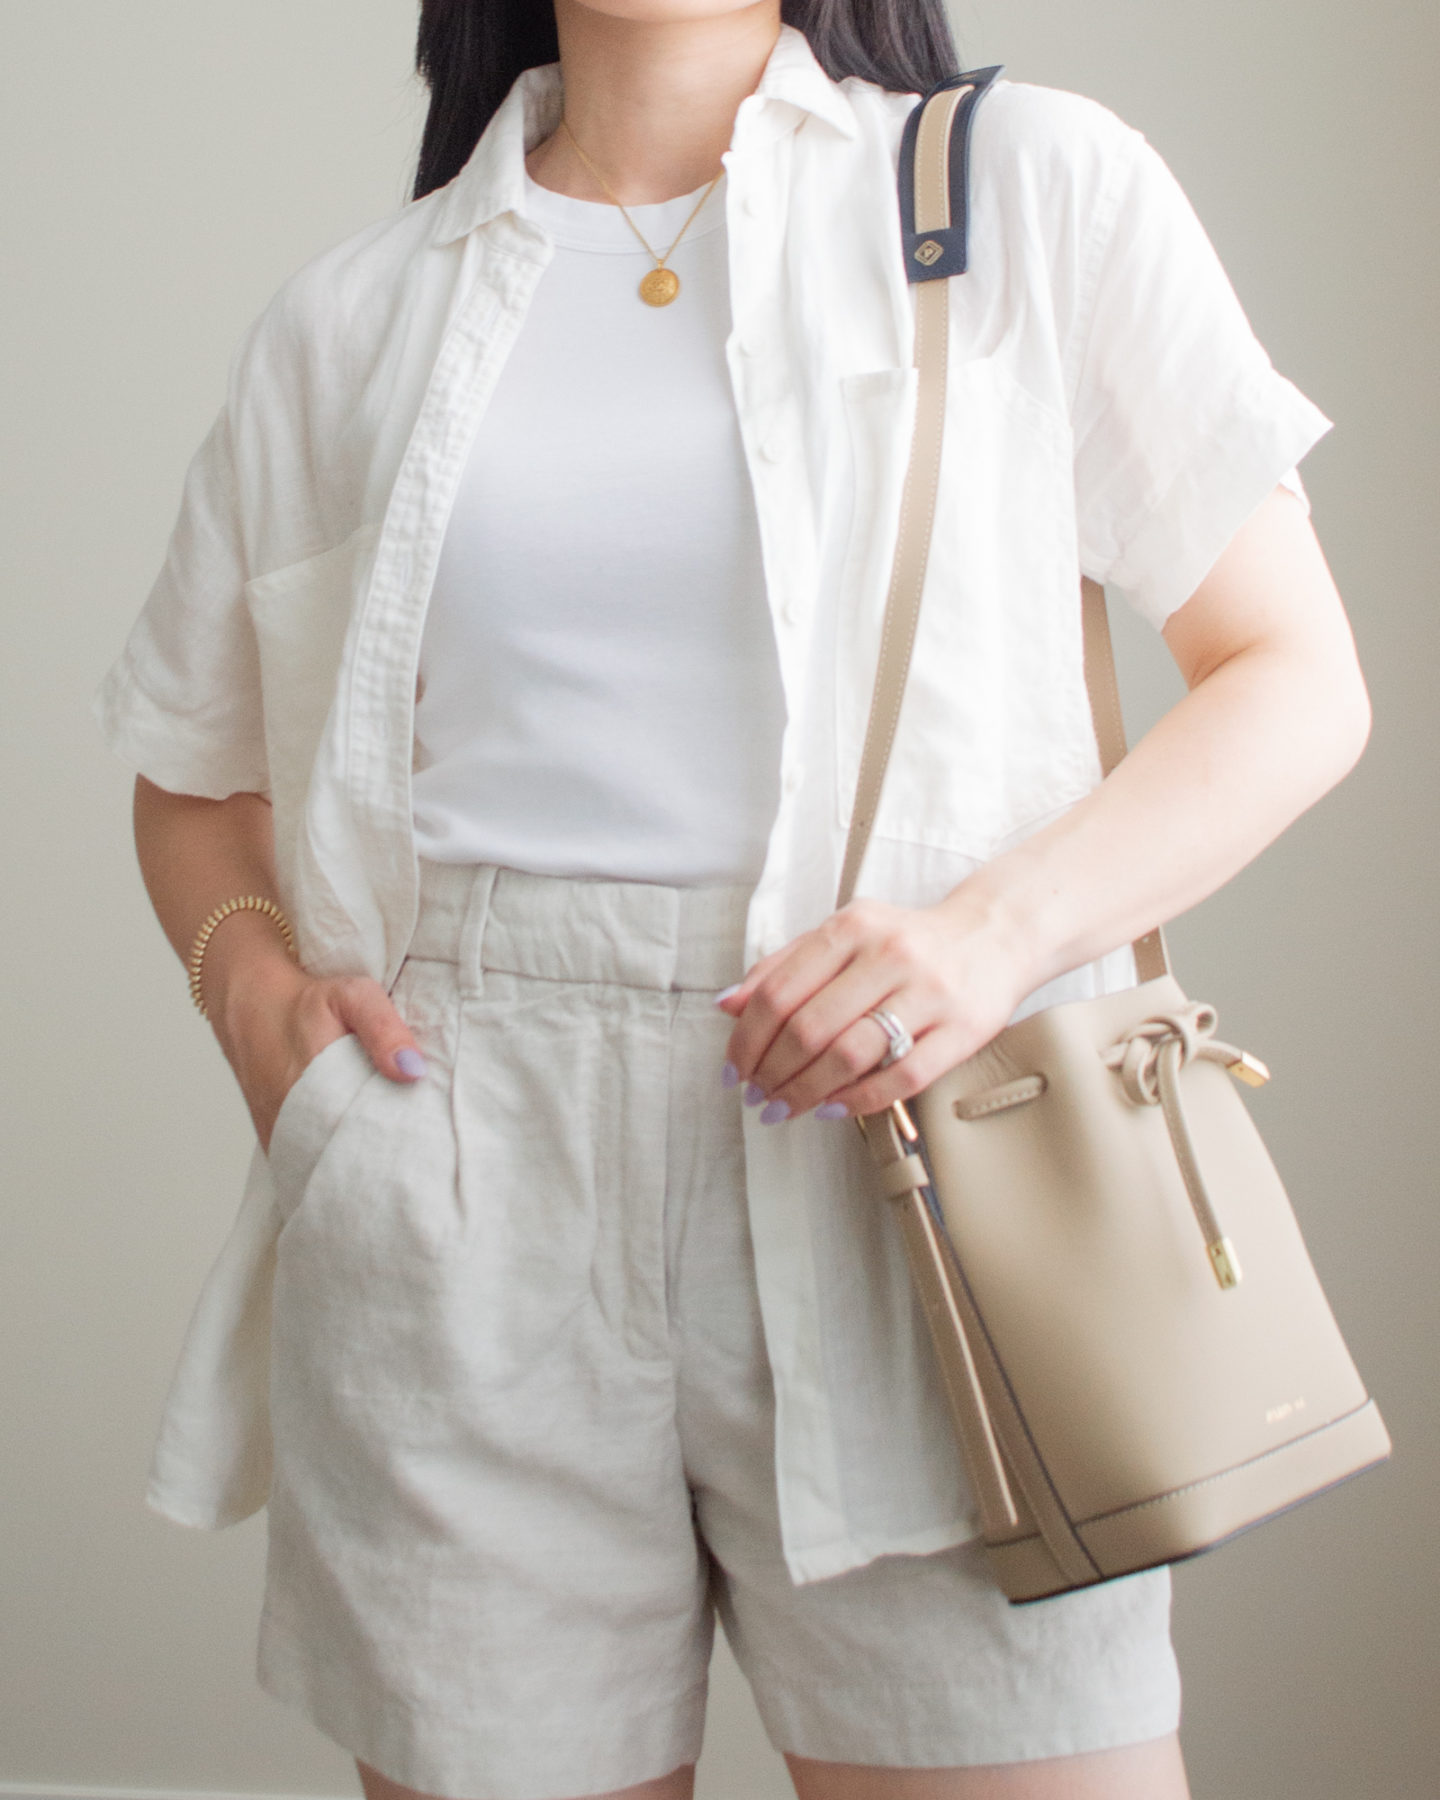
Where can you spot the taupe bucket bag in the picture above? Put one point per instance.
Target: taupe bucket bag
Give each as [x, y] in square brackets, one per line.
[1139, 1357]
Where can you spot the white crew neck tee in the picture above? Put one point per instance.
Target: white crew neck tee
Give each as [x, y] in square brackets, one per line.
[600, 687]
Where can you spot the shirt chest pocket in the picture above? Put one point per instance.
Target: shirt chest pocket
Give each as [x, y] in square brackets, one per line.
[301, 614]
[994, 733]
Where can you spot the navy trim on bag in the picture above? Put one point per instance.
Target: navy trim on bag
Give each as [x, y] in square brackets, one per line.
[921, 261]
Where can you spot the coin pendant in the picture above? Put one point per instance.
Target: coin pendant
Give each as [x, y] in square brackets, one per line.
[659, 287]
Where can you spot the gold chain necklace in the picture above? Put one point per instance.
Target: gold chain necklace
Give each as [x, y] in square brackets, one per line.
[661, 285]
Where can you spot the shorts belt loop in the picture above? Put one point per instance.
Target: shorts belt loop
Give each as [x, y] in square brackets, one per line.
[468, 952]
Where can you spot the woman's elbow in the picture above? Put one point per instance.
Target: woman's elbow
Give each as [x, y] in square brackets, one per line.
[1345, 719]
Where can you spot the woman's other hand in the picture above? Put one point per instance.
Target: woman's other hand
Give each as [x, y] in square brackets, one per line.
[1275, 714]
[952, 974]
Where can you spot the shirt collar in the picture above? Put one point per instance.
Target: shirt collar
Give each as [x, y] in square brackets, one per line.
[492, 181]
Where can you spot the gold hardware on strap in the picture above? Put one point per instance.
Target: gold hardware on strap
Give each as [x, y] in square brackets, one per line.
[1225, 1263]
[886, 1134]
[1249, 1069]
[904, 1123]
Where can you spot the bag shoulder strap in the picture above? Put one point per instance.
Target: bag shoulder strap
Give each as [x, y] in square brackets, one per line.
[935, 219]
[1152, 956]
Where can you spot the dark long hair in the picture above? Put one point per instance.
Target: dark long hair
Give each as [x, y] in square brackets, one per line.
[469, 53]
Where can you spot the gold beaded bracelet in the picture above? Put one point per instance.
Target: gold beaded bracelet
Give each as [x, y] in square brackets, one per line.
[245, 903]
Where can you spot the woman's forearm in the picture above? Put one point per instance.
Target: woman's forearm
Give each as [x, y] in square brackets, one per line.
[195, 854]
[1276, 714]
[1218, 778]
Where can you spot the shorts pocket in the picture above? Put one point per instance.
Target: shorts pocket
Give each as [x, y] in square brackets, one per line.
[311, 1112]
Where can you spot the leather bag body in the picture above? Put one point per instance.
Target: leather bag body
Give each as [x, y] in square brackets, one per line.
[1139, 1356]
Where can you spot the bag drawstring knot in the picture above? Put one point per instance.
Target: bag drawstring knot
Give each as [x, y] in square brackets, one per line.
[1148, 1060]
[1176, 1037]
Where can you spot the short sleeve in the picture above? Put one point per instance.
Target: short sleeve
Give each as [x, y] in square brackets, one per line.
[1182, 425]
[182, 703]
[1291, 479]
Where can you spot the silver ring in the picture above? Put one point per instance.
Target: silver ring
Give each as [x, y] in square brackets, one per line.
[901, 1042]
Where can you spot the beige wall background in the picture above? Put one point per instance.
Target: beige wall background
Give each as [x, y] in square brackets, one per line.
[167, 163]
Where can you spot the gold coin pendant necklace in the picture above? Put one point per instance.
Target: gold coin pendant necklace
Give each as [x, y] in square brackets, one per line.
[660, 286]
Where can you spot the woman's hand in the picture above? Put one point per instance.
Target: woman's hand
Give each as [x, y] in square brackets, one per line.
[1276, 713]
[275, 1019]
[952, 974]
[271, 1017]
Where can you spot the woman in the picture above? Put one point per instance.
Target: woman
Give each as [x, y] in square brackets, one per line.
[515, 644]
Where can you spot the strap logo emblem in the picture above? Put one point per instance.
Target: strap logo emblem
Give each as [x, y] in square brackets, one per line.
[929, 252]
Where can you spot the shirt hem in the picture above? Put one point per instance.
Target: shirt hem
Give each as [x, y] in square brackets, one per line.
[169, 749]
[1264, 434]
[198, 1517]
[842, 1555]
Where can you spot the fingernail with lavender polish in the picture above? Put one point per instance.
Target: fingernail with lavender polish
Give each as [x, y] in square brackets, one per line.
[775, 1112]
[832, 1109]
[725, 993]
[753, 1094]
[729, 1075]
[410, 1062]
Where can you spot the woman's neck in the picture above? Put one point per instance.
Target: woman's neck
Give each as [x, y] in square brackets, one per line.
[652, 104]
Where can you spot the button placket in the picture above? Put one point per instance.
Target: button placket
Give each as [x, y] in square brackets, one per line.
[379, 741]
[765, 404]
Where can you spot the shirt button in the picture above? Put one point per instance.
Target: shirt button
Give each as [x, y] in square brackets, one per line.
[772, 449]
[794, 775]
[750, 206]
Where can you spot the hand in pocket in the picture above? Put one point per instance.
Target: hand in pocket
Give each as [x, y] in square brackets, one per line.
[283, 1022]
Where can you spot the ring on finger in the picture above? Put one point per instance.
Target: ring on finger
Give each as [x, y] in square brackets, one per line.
[898, 1040]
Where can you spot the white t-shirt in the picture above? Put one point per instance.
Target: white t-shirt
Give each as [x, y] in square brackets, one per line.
[600, 688]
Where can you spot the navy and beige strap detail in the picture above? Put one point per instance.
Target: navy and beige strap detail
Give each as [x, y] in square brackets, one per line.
[935, 228]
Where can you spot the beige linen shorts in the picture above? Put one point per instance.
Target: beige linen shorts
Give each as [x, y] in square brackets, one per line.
[522, 1411]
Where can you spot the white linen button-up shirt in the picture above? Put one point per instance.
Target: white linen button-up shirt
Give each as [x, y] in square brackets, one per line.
[1109, 410]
